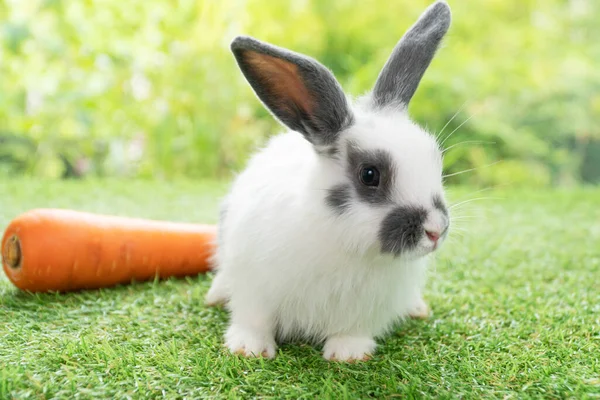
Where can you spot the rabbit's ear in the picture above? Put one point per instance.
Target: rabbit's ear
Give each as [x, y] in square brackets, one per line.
[403, 71]
[298, 90]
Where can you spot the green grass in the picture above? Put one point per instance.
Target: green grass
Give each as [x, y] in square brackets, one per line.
[515, 295]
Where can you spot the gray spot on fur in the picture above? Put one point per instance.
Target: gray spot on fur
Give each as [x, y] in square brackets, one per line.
[331, 113]
[439, 204]
[359, 158]
[402, 229]
[332, 151]
[339, 198]
[403, 71]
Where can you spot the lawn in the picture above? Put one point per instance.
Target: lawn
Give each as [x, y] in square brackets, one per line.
[515, 295]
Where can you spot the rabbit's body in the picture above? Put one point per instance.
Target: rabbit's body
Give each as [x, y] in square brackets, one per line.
[325, 236]
[321, 281]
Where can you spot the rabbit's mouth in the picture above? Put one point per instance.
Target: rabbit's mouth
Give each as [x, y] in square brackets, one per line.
[412, 230]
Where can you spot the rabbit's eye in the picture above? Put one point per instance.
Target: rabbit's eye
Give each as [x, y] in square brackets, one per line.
[369, 176]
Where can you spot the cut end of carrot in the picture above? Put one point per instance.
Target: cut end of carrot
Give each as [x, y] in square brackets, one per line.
[11, 253]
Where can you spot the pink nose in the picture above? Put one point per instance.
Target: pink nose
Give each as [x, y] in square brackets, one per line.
[433, 235]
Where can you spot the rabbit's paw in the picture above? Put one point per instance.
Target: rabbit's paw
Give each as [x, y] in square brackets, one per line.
[419, 309]
[348, 348]
[249, 343]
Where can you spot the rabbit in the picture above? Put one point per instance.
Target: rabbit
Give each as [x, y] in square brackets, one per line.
[326, 234]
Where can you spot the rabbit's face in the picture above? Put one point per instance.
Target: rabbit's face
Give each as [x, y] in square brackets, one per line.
[384, 171]
[391, 192]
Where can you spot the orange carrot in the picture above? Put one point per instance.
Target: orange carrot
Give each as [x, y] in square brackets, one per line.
[62, 250]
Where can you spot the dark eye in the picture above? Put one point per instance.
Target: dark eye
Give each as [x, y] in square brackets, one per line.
[369, 176]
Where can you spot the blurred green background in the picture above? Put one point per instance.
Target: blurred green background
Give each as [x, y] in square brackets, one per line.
[149, 89]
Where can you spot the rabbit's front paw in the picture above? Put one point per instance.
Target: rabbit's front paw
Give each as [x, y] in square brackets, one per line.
[419, 309]
[250, 343]
[348, 348]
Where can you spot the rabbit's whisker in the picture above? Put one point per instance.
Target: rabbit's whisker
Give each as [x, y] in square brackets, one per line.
[470, 169]
[467, 142]
[475, 199]
[457, 128]
[450, 120]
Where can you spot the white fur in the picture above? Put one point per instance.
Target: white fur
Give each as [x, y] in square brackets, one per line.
[287, 264]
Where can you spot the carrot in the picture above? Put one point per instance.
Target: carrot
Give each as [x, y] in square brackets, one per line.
[62, 250]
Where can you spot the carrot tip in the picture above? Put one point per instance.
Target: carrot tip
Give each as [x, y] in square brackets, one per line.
[12, 252]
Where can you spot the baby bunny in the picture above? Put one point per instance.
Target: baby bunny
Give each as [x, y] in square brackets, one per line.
[325, 235]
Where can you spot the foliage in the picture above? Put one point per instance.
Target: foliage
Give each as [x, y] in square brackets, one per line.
[510, 320]
[149, 88]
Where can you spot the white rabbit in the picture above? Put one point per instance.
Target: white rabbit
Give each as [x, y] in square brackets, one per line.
[325, 235]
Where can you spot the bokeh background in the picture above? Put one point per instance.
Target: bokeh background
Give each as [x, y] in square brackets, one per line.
[149, 89]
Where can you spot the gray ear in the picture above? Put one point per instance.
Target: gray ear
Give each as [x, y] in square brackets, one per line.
[403, 71]
[298, 90]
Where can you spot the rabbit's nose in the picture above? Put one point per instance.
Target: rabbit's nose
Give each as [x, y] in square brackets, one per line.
[433, 235]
